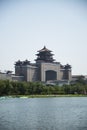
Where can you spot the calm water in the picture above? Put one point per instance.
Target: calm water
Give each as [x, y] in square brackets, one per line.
[68, 113]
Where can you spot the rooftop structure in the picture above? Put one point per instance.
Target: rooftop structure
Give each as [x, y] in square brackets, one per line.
[44, 55]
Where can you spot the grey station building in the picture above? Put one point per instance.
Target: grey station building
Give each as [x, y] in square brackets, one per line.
[44, 69]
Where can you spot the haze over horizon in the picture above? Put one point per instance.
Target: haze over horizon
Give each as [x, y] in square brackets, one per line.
[26, 26]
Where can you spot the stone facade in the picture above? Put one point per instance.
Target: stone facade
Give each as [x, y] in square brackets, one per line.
[28, 71]
[45, 69]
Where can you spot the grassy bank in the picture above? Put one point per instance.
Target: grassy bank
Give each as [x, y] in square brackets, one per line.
[44, 96]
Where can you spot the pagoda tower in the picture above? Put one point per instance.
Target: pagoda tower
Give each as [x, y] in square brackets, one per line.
[45, 55]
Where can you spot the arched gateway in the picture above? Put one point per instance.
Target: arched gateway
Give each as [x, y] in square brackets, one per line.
[51, 75]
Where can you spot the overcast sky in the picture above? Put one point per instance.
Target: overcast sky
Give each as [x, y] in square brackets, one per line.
[27, 25]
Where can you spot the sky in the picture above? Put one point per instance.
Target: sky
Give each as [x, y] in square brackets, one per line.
[27, 25]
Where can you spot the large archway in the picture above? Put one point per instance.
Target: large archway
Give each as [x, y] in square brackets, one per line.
[51, 75]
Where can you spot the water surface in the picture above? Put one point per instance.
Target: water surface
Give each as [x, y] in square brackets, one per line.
[60, 113]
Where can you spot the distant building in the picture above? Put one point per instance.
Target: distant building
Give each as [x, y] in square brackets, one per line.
[44, 69]
[76, 77]
[5, 76]
[10, 77]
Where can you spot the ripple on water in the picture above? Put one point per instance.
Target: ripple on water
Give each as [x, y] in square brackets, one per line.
[43, 113]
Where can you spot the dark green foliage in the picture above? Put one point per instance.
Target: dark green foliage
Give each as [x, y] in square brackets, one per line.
[37, 88]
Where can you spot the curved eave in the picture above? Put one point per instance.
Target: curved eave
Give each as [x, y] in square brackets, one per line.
[46, 54]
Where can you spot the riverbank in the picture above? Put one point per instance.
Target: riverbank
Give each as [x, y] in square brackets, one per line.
[42, 96]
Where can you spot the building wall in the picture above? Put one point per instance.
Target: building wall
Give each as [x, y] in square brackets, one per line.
[70, 74]
[65, 74]
[4, 76]
[49, 66]
[41, 70]
[28, 71]
[17, 78]
[32, 73]
[21, 71]
[61, 74]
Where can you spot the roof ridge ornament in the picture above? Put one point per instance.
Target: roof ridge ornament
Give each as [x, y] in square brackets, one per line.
[44, 47]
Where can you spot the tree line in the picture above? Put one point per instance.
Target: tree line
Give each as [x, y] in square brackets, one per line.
[37, 88]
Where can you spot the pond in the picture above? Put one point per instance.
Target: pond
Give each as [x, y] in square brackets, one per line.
[56, 113]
